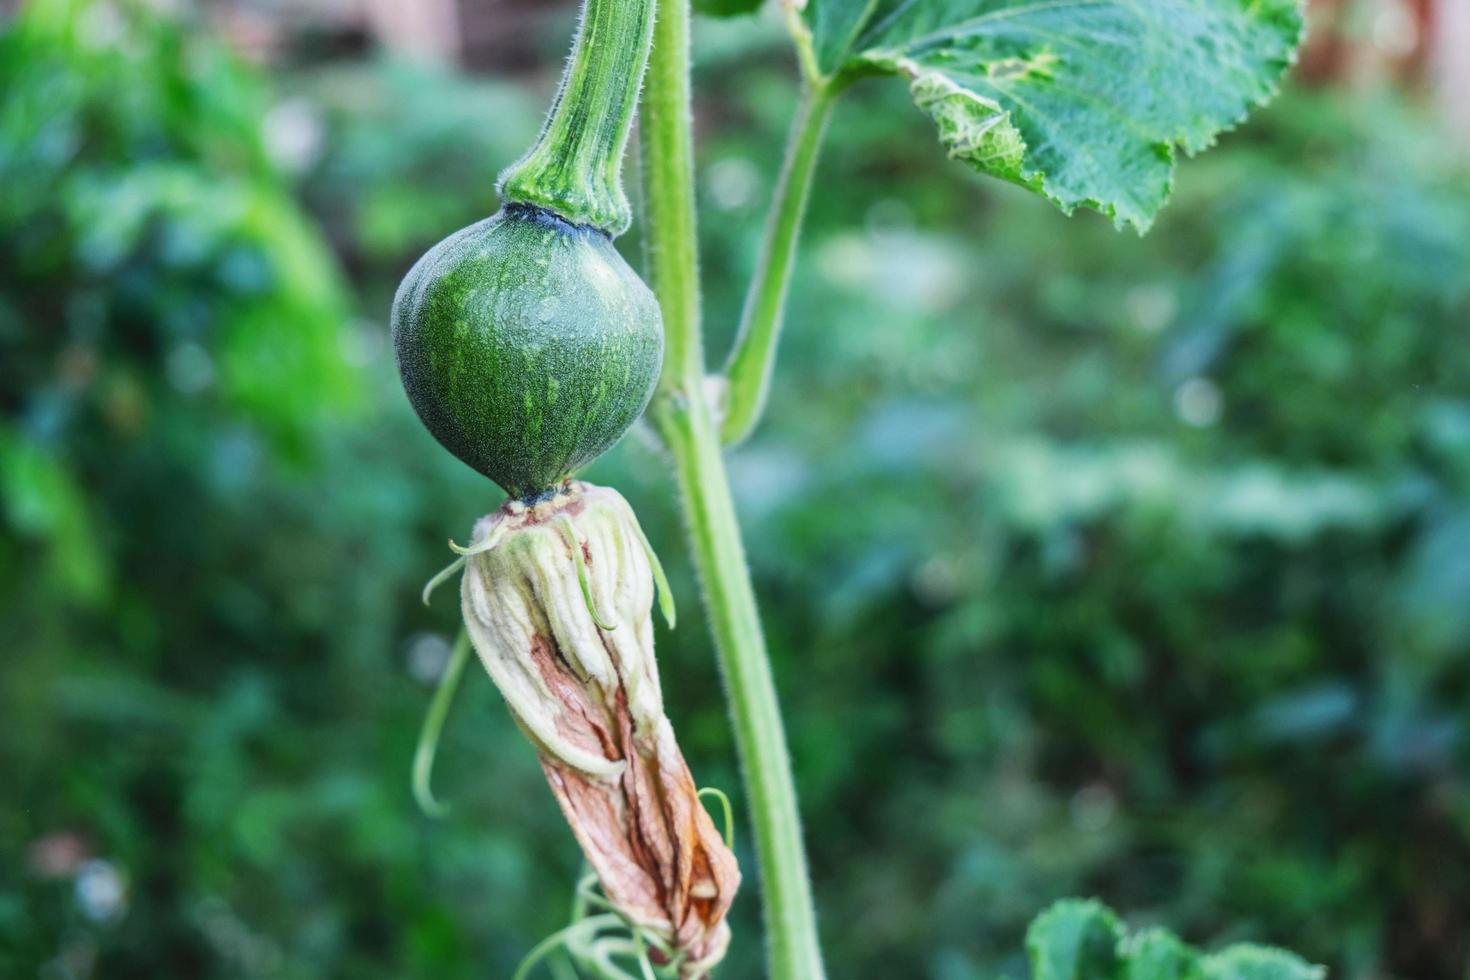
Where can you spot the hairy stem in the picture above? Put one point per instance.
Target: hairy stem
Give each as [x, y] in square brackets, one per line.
[575, 168]
[682, 414]
[748, 370]
[669, 233]
[759, 733]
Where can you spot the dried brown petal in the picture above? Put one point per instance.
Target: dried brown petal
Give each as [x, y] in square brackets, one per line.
[589, 700]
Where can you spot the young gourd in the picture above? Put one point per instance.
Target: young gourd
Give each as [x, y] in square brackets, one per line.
[528, 347]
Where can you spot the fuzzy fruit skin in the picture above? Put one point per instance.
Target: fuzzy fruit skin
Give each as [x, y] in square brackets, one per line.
[527, 346]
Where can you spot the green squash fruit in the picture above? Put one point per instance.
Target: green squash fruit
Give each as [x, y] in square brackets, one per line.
[527, 346]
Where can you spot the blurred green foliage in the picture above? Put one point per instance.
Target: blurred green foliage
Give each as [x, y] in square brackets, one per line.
[1078, 939]
[1091, 564]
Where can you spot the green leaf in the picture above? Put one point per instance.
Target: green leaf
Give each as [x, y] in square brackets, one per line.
[726, 8]
[1083, 101]
[42, 501]
[1158, 954]
[1075, 939]
[1245, 961]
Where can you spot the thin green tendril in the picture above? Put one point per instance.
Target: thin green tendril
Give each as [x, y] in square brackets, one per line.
[491, 540]
[569, 532]
[602, 951]
[665, 594]
[423, 756]
[643, 963]
[583, 943]
[587, 895]
[560, 939]
[442, 577]
[719, 794]
[609, 936]
[561, 966]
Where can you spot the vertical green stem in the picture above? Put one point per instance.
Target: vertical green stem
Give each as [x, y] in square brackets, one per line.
[791, 927]
[748, 369]
[683, 416]
[575, 168]
[669, 233]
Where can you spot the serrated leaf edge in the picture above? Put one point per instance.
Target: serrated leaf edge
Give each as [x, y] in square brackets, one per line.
[896, 62]
[1061, 907]
[1313, 970]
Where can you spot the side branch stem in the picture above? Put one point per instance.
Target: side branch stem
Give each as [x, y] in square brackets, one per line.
[748, 370]
[682, 414]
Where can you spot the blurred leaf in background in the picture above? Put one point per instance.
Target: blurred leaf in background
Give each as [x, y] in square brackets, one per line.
[142, 215]
[187, 485]
[1108, 562]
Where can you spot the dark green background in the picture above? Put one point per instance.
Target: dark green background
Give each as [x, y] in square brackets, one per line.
[1136, 568]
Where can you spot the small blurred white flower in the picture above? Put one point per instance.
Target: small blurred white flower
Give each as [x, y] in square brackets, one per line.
[190, 369]
[888, 216]
[101, 891]
[427, 655]
[1093, 807]
[363, 342]
[1198, 402]
[733, 183]
[293, 135]
[1151, 307]
[937, 581]
[1394, 30]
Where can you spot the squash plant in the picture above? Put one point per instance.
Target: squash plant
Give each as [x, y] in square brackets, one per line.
[528, 346]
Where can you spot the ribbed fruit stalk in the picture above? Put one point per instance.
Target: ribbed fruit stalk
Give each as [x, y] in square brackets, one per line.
[575, 168]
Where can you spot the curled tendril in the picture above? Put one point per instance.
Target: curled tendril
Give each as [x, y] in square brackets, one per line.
[423, 756]
[491, 540]
[443, 576]
[719, 794]
[598, 937]
[643, 961]
[561, 967]
[562, 939]
[598, 942]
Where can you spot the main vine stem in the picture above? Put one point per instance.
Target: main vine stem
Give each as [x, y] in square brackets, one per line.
[682, 414]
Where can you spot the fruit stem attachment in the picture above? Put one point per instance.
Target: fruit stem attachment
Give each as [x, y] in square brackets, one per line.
[682, 414]
[575, 168]
[748, 369]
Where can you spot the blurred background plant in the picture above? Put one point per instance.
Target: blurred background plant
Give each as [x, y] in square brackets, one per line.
[1091, 564]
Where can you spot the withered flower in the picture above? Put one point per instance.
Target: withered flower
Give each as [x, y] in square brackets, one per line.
[557, 598]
